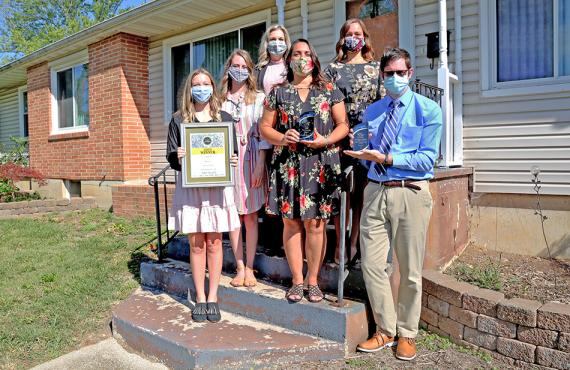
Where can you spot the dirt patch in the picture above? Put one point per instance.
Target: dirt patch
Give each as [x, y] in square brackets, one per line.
[535, 278]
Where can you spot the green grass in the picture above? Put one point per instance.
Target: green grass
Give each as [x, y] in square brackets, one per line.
[486, 276]
[60, 276]
[433, 342]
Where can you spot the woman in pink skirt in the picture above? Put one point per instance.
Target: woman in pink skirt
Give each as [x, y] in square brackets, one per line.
[202, 213]
[245, 103]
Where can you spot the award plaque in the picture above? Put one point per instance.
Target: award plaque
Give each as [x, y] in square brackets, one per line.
[360, 140]
[208, 150]
[307, 126]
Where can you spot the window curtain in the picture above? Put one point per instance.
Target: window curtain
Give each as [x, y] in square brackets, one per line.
[212, 53]
[65, 98]
[180, 71]
[525, 39]
[564, 37]
[81, 94]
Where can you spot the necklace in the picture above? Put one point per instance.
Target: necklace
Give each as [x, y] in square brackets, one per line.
[236, 115]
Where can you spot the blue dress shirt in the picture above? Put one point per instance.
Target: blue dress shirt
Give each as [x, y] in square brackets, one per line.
[416, 146]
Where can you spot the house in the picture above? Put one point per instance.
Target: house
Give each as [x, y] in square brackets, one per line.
[98, 102]
[507, 75]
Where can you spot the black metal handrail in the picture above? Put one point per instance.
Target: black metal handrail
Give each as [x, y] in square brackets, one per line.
[429, 91]
[154, 181]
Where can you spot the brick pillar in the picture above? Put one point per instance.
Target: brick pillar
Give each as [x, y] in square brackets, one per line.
[39, 113]
[117, 145]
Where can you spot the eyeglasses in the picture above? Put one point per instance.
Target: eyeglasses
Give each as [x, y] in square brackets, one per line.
[400, 73]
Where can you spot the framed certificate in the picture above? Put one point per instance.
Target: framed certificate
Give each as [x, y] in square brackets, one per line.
[208, 150]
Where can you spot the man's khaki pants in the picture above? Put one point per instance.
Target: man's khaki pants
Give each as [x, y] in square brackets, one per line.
[396, 217]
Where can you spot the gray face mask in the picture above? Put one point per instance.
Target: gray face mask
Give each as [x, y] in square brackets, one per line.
[276, 47]
[239, 75]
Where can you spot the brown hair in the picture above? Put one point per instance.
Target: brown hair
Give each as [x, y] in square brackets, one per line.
[367, 50]
[395, 54]
[227, 81]
[318, 78]
[187, 109]
[263, 56]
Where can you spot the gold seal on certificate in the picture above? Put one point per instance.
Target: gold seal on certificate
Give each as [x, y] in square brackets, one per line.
[208, 150]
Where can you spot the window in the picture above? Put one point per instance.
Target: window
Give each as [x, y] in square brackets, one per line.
[23, 99]
[211, 53]
[72, 95]
[528, 40]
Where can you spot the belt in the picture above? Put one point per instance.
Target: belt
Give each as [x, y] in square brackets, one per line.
[398, 184]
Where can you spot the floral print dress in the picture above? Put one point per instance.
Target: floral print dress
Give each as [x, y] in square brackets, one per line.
[361, 85]
[304, 182]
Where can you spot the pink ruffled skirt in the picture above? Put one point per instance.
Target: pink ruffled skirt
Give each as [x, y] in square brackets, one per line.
[203, 210]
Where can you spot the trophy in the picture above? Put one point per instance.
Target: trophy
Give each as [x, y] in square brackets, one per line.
[307, 126]
[360, 140]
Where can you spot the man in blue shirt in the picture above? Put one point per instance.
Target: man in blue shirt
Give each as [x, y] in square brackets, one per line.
[404, 136]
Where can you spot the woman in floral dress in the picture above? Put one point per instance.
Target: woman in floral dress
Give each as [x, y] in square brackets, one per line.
[357, 75]
[304, 176]
[242, 100]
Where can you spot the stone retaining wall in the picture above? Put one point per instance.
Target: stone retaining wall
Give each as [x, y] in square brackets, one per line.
[32, 207]
[518, 332]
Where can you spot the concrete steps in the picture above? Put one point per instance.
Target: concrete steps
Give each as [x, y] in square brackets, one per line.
[276, 269]
[266, 302]
[160, 326]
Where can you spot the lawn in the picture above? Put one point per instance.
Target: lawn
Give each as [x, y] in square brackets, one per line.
[60, 276]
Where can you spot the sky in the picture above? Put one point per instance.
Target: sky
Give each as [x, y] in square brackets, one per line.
[125, 4]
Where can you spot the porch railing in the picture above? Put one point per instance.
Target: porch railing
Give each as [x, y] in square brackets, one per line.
[155, 181]
[429, 91]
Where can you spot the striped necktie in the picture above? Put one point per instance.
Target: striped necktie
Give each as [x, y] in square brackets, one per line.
[389, 134]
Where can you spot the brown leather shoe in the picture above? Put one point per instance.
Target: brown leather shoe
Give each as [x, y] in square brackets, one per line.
[377, 342]
[406, 349]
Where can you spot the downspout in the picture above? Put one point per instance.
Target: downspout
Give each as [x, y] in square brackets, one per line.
[280, 11]
[458, 111]
[305, 18]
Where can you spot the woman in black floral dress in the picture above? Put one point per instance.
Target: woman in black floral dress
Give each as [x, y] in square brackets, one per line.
[357, 75]
[304, 178]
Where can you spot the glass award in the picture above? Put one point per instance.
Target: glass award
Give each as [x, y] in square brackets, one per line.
[360, 141]
[306, 126]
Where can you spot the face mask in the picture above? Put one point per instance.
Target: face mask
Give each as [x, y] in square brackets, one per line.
[352, 43]
[396, 84]
[239, 75]
[202, 93]
[276, 47]
[302, 66]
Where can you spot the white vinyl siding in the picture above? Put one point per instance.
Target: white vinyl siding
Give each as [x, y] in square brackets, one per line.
[9, 119]
[503, 136]
[321, 34]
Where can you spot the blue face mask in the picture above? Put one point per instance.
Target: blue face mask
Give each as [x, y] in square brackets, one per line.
[396, 84]
[202, 93]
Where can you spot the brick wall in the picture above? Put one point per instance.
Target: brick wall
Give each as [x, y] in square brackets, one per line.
[138, 200]
[117, 146]
[518, 332]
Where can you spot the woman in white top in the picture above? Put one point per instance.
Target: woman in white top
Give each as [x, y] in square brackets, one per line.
[271, 69]
[244, 102]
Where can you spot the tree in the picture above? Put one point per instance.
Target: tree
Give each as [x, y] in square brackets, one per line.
[28, 25]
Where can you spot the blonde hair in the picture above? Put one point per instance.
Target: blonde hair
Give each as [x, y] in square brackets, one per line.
[367, 50]
[263, 56]
[227, 81]
[187, 109]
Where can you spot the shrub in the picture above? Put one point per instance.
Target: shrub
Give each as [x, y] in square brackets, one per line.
[17, 154]
[10, 173]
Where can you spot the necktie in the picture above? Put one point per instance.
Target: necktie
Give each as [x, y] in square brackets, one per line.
[389, 133]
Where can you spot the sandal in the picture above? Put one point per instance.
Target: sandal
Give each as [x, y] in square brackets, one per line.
[213, 312]
[249, 282]
[295, 290]
[238, 281]
[315, 294]
[199, 313]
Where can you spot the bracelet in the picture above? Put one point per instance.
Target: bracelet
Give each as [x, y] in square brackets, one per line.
[385, 160]
[326, 142]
